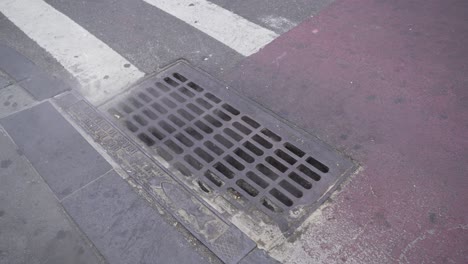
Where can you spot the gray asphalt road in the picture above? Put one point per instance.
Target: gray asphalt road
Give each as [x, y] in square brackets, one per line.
[151, 38]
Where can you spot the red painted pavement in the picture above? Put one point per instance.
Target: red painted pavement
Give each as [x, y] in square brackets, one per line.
[385, 82]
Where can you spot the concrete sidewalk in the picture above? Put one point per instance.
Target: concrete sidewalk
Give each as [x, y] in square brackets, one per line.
[60, 199]
[52, 170]
[33, 225]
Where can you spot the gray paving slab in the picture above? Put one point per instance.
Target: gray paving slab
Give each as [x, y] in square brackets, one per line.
[65, 100]
[15, 64]
[29, 76]
[4, 80]
[258, 256]
[57, 151]
[13, 99]
[124, 227]
[43, 86]
[33, 226]
[227, 242]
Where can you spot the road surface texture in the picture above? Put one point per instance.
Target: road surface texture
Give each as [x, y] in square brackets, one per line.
[383, 82]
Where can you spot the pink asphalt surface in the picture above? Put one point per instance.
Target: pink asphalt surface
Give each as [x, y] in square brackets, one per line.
[385, 82]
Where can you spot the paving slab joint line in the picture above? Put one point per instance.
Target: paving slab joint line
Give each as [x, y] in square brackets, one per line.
[137, 187]
[116, 167]
[3, 130]
[143, 190]
[86, 185]
[250, 252]
[76, 126]
[23, 109]
[86, 137]
[39, 83]
[59, 202]
[35, 101]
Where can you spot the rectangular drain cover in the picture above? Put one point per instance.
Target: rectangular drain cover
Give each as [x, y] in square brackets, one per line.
[228, 150]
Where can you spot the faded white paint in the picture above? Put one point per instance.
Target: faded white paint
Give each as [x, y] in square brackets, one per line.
[232, 30]
[100, 70]
[280, 24]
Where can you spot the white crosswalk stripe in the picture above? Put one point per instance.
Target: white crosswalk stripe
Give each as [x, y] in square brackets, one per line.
[232, 30]
[100, 70]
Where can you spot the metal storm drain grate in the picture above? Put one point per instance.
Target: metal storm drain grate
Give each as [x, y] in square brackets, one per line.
[221, 144]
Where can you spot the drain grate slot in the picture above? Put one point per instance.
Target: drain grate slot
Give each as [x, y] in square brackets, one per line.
[301, 181]
[311, 174]
[264, 143]
[204, 155]
[224, 170]
[203, 127]
[146, 139]
[163, 87]
[294, 150]
[232, 134]
[135, 102]
[150, 114]
[227, 145]
[156, 133]
[247, 188]
[131, 126]
[281, 197]
[243, 155]
[231, 109]
[248, 145]
[267, 203]
[267, 172]
[290, 188]
[179, 77]
[213, 147]
[256, 179]
[213, 178]
[275, 163]
[234, 163]
[317, 164]
[144, 97]
[193, 162]
[284, 156]
[153, 92]
[140, 120]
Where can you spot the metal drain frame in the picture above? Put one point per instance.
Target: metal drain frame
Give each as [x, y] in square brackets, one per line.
[306, 170]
